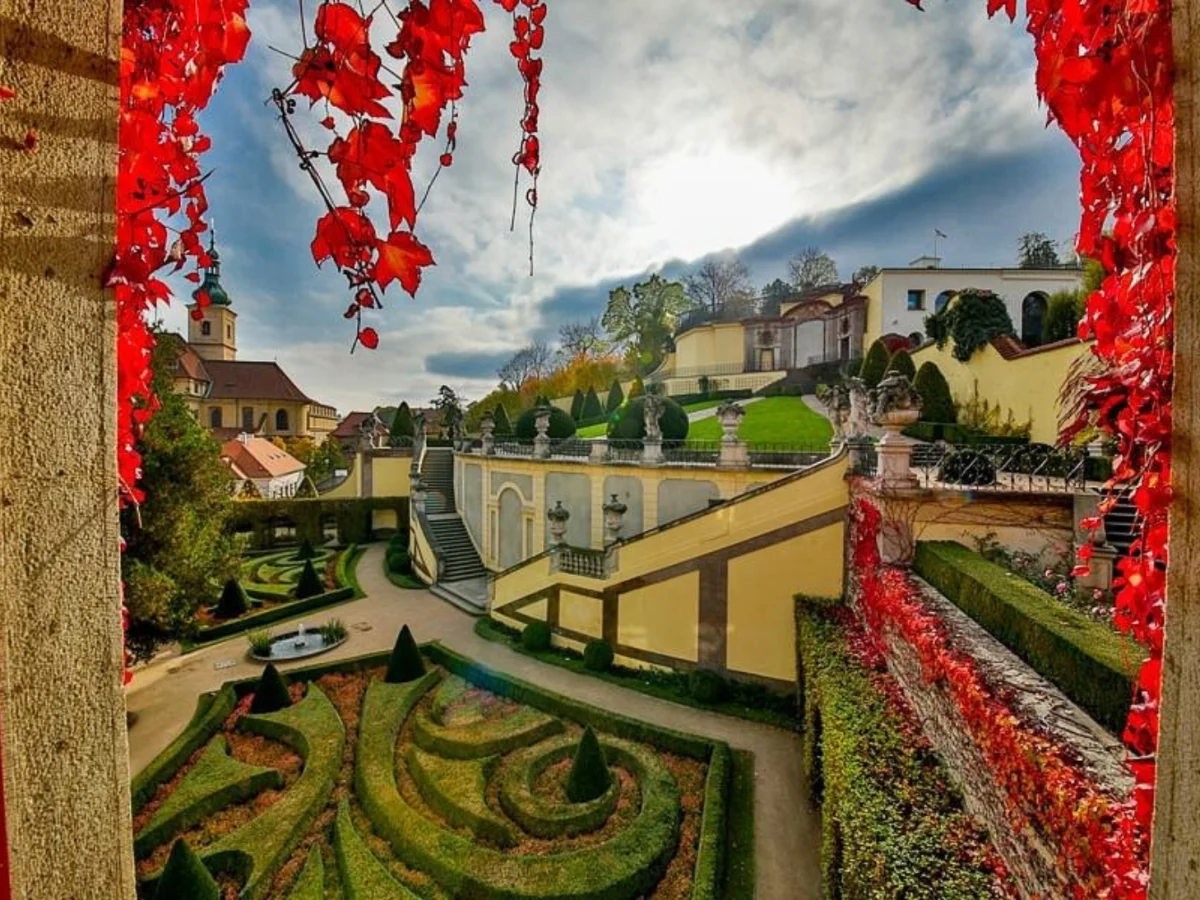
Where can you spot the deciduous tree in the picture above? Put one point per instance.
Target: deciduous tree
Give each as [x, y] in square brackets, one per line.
[1036, 250]
[584, 338]
[811, 268]
[643, 318]
[721, 285]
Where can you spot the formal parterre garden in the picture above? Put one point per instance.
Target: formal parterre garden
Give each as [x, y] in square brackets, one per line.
[279, 584]
[420, 774]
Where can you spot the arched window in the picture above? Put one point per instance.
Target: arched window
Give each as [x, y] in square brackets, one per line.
[1033, 318]
[206, 328]
[281, 420]
[214, 417]
[941, 300]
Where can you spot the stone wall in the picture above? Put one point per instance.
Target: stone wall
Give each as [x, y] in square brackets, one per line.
[1030, 858]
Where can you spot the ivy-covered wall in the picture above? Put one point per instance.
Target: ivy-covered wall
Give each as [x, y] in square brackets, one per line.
[352, 516]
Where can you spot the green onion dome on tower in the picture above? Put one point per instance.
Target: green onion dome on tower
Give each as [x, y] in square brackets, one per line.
[212, 279]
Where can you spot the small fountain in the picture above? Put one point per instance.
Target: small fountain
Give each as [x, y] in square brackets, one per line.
[301, 640]
[298, 644]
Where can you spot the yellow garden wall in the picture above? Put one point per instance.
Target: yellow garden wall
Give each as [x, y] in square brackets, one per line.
[707, 346]
[390, 476]
[1028, 384]
[714, 589]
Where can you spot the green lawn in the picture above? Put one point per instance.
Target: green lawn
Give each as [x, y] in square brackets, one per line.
[775, 420]
[595, 431]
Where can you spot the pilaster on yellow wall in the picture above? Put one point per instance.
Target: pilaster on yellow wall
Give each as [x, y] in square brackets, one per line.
[65, 746]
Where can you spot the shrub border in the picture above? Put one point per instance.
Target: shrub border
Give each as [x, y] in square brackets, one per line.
[1085, 665]
[482, 822]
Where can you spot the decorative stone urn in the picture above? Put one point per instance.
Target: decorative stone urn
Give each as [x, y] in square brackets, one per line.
[541, 422]
[557, 518]
[895, 405]
[730, 415]
[487, 428]
[614, 511]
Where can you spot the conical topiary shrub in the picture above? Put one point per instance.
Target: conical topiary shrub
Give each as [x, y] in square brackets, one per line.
[874, 364]
[233, 602]
[592, 409]
[577, 405]
[402, 430]
[937, 403]
[901, 362]
[616, 397]
[184, 877]
[271, 693]
[405, 663]
[589, 776]
[503, 424]
[306, 550]
[310, 583]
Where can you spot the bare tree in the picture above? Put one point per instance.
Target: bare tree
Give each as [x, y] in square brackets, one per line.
[584, 338]
[531, 361]
[811, 268]
[541, 358]
[719, 284]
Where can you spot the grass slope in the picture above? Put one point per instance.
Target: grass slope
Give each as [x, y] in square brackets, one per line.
[775, 420]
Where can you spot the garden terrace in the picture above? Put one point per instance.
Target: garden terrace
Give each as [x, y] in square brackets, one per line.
[456, 784]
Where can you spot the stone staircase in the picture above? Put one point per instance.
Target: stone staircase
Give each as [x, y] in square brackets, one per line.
[1120, 525]
[464, 575]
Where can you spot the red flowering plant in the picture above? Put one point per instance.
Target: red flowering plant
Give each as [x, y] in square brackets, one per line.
[1106, 74]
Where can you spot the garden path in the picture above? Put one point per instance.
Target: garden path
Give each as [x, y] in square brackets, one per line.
[712, 410]
[787, 857]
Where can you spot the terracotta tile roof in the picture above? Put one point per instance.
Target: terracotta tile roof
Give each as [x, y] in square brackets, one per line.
[351, 426]
[1011, 348]
[189, 361]
[238, 380]
[255, 457]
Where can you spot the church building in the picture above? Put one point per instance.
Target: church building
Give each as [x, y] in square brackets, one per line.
[231, 396]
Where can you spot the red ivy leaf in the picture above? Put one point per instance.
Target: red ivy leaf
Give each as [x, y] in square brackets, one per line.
[401, 258]
[368, 338]
[364, 297]
[351, 312]
[345, 235]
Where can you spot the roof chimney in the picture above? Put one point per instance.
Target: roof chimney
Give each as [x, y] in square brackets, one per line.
[244, 438]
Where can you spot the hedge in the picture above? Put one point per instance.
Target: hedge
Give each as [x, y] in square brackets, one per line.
[543, 817]
[485, 737]
[937, 403]
[874, 364]
[311, 883]
[276, 613]
[457, 790]
[211, 710]
[216, 781]
[352, 515]
[625, 866]
[1087, 660]
[629, 423]
[562, 426]
[888, 819]
[364, 877]
[956, 434]
[714, 830]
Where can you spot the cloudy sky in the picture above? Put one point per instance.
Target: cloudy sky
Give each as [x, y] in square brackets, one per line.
[671, 129]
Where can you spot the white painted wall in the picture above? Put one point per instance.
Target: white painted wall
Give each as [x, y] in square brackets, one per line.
[1011, 284]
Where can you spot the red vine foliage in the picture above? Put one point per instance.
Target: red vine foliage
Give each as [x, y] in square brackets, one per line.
[1105, 72]
[342, 70]
[1099, 839]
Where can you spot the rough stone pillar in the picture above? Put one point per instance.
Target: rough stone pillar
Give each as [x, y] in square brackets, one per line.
[598, 452]
[1175, 849]
[62, 709]
[733, 454]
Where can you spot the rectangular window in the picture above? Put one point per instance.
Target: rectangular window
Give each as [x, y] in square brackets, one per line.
[916, 300]
[248, 420]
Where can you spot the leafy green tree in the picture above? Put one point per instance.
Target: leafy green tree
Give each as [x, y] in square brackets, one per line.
[503, 424]
[864, 275]
[811, 268]
[320, 460]
[937, 403]
[616, 397]
[1063, 312]
[448, 404]
[644, 317]
[179, 552]
[501, 396]
[874, 364]
[1093, 276]
[974, 318]
[592, 409]
[901, 362]
[402, 430]
[1036, 250]
[773, 295]
[577, 405]
[589, 777]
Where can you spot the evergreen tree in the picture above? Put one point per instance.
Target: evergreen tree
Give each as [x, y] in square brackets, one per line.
[405, 663]
[616, 397]
[592, 409]
[271, 693]
[233, 602]
[937, 404]
[503, 425]
[306, 550]
[310, 583]
[577, 405]
[589, 777]
[402, 430]
[185, 877]
[874, 364]
[901, 362]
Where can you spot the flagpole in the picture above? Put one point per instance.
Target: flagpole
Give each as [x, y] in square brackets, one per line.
[935, 237]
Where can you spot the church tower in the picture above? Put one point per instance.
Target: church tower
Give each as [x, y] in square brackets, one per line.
[214, 334]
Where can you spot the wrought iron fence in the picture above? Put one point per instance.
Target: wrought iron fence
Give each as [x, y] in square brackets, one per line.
[767, 454]
[1001, 466]
[580, 561]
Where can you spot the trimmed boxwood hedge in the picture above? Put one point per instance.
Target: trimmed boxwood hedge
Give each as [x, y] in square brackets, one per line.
[562, 426]
[1087, 660]
[364, 877]
[211, 710]
[456, 789]
[485, 737]
[352, 515]
[541, 816]
[311, 883]
[629, 422]
[888, 819]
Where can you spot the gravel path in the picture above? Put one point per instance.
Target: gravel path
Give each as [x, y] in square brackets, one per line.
[163, 696]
